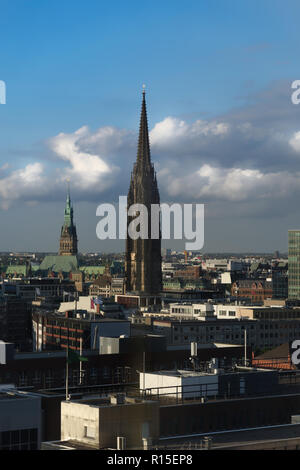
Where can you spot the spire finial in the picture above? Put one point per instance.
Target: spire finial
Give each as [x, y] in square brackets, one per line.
[68, 187]
[143, 155]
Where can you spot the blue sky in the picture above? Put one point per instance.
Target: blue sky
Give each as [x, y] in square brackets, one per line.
[73, 65]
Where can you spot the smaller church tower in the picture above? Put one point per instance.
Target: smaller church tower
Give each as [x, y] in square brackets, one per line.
[68, 237]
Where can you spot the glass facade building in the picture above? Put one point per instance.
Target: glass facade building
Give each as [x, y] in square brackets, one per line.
[294, 264]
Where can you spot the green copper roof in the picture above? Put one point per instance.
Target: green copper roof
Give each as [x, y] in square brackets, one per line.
[195, 284]
[35, 267]
[92, 269]
[59, 263]
[16, 268]
[254, 266]
[172, 283]
[68, 217]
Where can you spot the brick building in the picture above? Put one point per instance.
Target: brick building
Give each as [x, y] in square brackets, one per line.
[254, 290]
[55, 330]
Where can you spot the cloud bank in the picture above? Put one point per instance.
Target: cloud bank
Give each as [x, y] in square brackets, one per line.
[248, 155]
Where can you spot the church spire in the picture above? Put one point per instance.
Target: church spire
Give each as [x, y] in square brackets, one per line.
[143, 153]
[68, 192]
[68, 209]
[143, 256]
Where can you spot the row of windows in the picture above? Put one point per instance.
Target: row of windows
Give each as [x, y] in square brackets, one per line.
[21, 439]
[231, 313]
[71, 334]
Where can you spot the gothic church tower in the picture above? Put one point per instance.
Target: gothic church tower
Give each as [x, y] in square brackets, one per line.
[143, 256]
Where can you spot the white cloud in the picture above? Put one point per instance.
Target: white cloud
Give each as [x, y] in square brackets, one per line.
[231, 184]
[22, 184]
[295, 141]
[171, 131]
[107, 140]
[86, 169]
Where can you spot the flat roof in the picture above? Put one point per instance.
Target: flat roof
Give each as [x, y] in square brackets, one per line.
[55, 353]
[213, 319]
[237, 436]
[104, 401]
[180, 373]
[187, 346]
[89, 317]
[191, 373]
[13, 395]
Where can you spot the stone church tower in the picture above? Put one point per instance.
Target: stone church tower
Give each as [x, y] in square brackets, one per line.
[143, 256]
[68, 237]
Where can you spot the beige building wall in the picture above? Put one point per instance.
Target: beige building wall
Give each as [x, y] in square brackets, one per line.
[100, 425]
[80, 422]
[132, 421]
[246, 312]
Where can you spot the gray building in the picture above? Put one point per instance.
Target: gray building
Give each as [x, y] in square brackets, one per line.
[264, 333]
[20, 419]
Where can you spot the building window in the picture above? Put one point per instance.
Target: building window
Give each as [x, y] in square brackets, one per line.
[89, 432]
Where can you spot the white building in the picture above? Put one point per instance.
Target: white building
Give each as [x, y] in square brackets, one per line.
[215, 264]
[83, 303]
[223, 264]
[230, 311]
[226, 278]
[179, 383]
[100, 422]
[195, 311]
